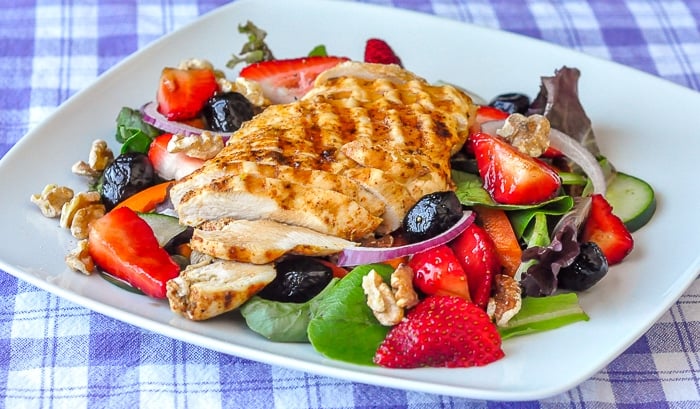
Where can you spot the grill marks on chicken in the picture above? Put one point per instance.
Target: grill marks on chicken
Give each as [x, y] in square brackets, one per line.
[257, 197]
[347, 160]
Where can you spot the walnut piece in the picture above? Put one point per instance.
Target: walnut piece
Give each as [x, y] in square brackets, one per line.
[100, 155]
[528, 134]
[195, 63]
[79, 259]
[252, 90]
[402, 284]
[506, 301]
[381, 300]
[203, 146]
[83, 217]
[51, 200]
[80, 211]
[99, 158]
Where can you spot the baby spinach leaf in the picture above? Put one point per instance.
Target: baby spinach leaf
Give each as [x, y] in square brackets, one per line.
[130, 122]
[281, 321]
[342, 326]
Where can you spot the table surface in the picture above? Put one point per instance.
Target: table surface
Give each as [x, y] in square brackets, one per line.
[107, 363]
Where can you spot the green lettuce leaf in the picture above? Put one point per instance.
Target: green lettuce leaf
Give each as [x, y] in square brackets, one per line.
[282, 321]
[342, 326]
[539, 314]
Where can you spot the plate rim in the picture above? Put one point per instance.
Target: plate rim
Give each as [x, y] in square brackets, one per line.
[262, 356]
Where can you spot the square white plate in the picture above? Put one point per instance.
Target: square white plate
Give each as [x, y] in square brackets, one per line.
[643, 124]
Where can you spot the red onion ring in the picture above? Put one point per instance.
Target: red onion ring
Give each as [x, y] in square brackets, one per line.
[152, 117]
[356, 256]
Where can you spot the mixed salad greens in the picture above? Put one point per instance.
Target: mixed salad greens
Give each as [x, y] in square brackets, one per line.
[565, 216]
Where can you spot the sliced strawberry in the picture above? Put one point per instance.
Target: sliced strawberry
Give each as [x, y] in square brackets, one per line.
[285, 81]
[441, 331]
[607, 231]
[123, 245]
[510, 176]
[438, 272]
[182, 93]
[477, 254]
[551, 153]
[486, 113]
[378, 51]
[168, 165]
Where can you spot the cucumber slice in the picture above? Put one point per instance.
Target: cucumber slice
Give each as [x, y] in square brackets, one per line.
[632, 200]
[164, 226]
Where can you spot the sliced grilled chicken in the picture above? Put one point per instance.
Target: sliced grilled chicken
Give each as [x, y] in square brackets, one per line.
[253, 197]
[262, 241]
[309, 177]
[205, 291]
[382, 127]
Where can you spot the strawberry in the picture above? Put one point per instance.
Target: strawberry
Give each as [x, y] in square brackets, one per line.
[607, 231]
[438, 272]
[285, 81]
[477, 254]
[182, 93]
[124, 245]
[486, 113]
[378, 51]
[510, 176]
[168, 165]
[441, 331]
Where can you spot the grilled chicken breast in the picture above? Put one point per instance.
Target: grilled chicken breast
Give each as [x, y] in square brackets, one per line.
[205, 291]
[262, 241]
[378, 126]
[312, 177]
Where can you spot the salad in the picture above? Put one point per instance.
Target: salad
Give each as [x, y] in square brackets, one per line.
[535, 213]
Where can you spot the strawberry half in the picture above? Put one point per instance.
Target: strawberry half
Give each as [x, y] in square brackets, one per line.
[441, 331]
[510, 176]
[477, 254]
[378, 51]
[607, 231]
[438, 272]
[182, 93]
[285, 81]
[168, 165]
[123, 245]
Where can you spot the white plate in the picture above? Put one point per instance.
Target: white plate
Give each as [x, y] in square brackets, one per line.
[643, 124]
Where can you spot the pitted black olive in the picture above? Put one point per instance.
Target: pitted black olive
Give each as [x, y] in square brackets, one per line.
[431, 215]
[589, 267]
[298, 280]
[226, 112]
[128, 174]
[512, 103]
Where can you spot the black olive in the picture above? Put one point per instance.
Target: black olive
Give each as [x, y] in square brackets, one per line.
[298, 280]
[226, 112]
[512, 103]
[128, 174]
[431, 215]
[587, 269]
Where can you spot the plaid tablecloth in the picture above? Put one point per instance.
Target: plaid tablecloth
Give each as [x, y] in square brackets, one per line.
[55, 354]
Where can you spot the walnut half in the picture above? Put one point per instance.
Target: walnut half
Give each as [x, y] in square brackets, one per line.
[506, 301]
[381, 299]
[51, 200]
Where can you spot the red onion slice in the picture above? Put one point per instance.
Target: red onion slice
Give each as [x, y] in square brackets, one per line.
[356, 256]
[153, 117]
[490, 127]
[573, 150]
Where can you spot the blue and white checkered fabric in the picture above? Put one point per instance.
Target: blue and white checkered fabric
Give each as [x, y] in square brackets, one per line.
[54, 354]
